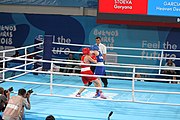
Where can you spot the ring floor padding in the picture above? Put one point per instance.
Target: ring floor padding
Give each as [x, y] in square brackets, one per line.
[84, 109]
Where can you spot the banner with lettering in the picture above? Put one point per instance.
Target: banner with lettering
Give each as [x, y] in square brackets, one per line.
[18, 30]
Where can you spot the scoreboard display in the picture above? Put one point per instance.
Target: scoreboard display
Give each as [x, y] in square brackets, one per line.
[140, 12]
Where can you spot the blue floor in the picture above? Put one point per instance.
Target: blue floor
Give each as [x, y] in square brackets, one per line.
[80, 109]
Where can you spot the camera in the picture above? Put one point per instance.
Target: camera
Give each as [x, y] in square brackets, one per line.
[30, 91]
[6, 91]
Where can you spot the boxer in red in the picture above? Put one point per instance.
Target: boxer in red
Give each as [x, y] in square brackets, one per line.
[85, 70]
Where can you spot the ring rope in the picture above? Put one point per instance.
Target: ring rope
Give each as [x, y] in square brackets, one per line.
[14, 49]
[23, 74]
[79, 45]
[73, 74]
[129, 56]
[66, 51]
[49, 72]
[171, 104]
[76, 86]
[104, 65]
[115, 66]
[110, 71]
[118, 64]
[19, 66]
[138, 78]
[123, 48]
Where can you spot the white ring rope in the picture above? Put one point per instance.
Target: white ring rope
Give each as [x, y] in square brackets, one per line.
[115, 66]
[78, 61]
[129, 56]
[121, 65]
[105, 65]
[120, 72]
[75, 86]
[19, 75]
[122, 48]
[73, 74]
[14, 49]
[145, 49]
[127, 90]
[67, 51]
[21, 56]
[80, 45]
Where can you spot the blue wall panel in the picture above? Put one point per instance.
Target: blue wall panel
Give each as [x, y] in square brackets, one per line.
[21, 29]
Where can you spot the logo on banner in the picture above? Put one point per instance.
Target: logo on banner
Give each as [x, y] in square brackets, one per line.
[107, 36]
[6, 34]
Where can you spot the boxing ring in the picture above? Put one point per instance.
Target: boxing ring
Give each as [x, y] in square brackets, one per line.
[146, 98]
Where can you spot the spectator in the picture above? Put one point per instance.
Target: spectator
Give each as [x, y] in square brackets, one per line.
[29, 56]
[56, 68]
[15, 107]
[16, 54]
[170, 72]
[138, 76]
[4, 98]
[71, 57]
[50, 117]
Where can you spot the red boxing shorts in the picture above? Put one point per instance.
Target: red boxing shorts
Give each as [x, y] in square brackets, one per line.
[87, 79]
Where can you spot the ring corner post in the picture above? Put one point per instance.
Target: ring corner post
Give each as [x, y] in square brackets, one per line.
[47, 51]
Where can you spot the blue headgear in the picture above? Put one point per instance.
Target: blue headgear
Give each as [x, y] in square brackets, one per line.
[94, 47]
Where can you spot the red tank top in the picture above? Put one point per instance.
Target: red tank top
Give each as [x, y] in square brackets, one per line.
[82, 61]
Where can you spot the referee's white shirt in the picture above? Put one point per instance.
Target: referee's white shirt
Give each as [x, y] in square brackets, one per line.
[102, 48]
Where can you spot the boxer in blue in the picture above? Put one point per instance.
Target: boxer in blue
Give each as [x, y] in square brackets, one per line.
[100, 68]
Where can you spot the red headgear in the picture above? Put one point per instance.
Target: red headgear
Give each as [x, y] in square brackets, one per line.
[86, 51]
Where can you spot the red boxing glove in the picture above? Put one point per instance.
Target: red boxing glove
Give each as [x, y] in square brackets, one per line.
[93, 57]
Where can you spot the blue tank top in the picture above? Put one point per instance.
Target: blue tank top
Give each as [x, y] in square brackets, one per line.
[99, 57]
[100, 70]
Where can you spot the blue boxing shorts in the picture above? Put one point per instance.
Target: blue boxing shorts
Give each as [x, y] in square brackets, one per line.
[99, 70]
